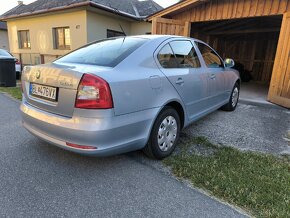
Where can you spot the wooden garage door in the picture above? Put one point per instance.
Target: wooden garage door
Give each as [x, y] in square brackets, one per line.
[170, 27]
[279, 92]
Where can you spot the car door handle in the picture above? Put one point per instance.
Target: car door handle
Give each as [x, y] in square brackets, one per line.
[212, 76]
[179, 81]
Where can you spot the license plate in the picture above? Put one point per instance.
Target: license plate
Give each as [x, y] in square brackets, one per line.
[46, 92]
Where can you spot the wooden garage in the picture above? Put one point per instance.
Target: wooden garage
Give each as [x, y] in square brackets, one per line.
[255, 33]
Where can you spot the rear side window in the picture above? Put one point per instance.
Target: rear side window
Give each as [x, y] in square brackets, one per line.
[178, 54]
[166, 57]
[211, 59]
[108, 53]
[185, 54]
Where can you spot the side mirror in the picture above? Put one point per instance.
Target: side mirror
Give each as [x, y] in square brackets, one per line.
[229, 62]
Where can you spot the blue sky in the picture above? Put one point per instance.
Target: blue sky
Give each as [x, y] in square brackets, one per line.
[8, 4]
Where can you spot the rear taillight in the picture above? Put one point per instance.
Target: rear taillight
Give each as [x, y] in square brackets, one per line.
[93, 93]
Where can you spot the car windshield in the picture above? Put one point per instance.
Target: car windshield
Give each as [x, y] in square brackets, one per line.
[5, 53]
[108, 52]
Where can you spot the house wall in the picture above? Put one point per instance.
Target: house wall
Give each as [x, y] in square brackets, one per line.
[140, 28]
[97, 25]
[41, 36]
[4, 44]
[85, 27]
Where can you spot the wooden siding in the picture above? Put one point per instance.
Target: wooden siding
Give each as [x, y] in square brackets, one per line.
[170, 27]
[280, 83]
[232, 9]
[176, 7]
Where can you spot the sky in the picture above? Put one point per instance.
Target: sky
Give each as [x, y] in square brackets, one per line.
[8, 4]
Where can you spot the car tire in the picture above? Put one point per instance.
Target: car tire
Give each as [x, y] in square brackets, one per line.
[234, 99]
[164, 134]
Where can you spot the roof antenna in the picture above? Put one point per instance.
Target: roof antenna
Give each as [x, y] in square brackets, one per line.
[116, 12]
[122, 30]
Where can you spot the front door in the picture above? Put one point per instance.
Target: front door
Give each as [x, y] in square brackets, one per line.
[216, 74]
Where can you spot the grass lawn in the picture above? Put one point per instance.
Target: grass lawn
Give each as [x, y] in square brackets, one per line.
[13, 91]
[258, 183]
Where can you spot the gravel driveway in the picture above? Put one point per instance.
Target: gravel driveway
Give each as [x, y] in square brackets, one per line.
[249, 127]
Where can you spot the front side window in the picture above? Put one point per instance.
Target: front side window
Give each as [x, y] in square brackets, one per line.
[24, 39]
[211, 59]
[61, 36]
[108, 52]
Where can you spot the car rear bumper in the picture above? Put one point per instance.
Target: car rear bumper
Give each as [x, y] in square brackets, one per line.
[109, 134]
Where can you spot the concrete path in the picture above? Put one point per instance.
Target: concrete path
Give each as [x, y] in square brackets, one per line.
[40, 180]
[254, 93]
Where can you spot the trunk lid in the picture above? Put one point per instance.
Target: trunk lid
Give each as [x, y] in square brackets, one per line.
[63, 78]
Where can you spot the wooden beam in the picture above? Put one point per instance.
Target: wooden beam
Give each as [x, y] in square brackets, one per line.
[168, 21]
[237, 26]
[232, 9]
[268, 30]
[154, 26]
[279, 92]
[187, 28]
[217, 25]
[175, 7]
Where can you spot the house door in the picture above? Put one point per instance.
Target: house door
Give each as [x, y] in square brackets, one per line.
[170, 27]
[279, 92]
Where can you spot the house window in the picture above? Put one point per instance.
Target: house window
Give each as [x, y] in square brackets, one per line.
[24, 39]
[113, 33]
[61, 37]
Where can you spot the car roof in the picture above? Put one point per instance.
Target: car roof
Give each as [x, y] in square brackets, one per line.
[152, 37]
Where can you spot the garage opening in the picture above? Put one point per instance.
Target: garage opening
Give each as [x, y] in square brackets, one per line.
[251, 42]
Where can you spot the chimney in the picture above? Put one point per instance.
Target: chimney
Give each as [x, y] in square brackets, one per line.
[20, 2]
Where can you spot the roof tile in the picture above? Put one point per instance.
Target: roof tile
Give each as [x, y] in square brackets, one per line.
[135, 8]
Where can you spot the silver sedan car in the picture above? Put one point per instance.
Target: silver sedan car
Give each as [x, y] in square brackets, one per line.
[127, 93]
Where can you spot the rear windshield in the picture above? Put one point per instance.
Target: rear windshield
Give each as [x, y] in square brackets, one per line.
[108, 52]
[4, 53]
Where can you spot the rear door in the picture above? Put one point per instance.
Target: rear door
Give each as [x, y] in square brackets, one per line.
[179, 62]
[216, 74]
